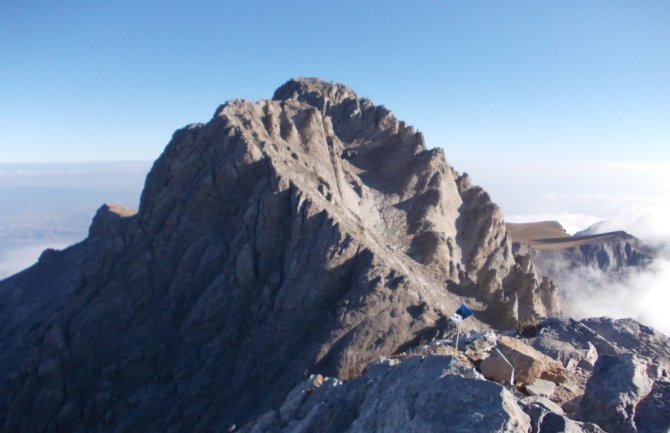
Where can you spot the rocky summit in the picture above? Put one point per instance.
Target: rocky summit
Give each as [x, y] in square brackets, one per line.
[293, 267]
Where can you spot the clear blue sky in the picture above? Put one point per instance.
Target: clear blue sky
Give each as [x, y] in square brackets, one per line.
[93, 80]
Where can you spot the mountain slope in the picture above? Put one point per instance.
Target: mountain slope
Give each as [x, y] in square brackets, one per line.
[312, 232]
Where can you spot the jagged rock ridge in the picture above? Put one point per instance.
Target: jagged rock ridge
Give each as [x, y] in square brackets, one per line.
[613, 253]
[586, 263]
[313, 232]
[551, 247]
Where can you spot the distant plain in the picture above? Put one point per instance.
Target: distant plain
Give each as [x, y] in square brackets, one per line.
[51, 205]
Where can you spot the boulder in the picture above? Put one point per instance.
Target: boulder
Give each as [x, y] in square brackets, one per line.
[537, 408]
[631, 335]
[571, 342]
[554, 333]
[529, 364]
[422, 395]
[653, 412]
[543, 402]
[590, 357]
[618, 384]
[496, 368]
[572, 406]
[541, 387]
[562, 351]
[554, 423]
[479, 344]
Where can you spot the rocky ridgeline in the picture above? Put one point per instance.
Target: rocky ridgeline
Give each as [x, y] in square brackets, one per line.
[312, 233]
[610, 255]
[559, 376]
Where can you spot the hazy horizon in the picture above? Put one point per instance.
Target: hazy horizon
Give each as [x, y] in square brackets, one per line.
[51, 205]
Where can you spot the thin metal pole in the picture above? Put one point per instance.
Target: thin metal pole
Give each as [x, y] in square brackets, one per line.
[458, 333]
[508, 363]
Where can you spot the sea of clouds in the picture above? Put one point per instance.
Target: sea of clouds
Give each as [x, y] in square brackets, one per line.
[633, 196]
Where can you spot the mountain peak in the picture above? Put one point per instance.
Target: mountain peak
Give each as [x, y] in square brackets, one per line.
[309, 233]
[314, 91]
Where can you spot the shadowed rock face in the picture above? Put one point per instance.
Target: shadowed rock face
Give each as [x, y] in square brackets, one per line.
[309, 233]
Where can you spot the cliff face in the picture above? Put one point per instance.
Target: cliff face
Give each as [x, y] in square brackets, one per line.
[586, 255]
[609, 252]
[312, 232]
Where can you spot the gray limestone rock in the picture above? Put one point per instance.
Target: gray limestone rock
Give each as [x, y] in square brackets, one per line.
[590, 357]
[614, 391]
[311, 233]
[529, 364]
[541, 387]
[496, 368]
[653, 412]
[546, 404]
[611, 253]
[570, 341]
[418, 394]
[478, 345]
[631, 335]
[554, 423]
[537, 408]
[308, 234]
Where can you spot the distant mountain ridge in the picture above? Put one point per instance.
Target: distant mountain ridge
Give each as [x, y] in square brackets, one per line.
[549, 243]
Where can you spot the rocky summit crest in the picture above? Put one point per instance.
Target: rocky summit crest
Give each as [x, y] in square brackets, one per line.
[309, 233]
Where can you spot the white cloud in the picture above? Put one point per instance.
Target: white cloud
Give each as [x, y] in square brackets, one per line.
[632, 196]
[642, 295]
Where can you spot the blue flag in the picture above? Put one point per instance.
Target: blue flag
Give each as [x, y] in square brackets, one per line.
[462, 313]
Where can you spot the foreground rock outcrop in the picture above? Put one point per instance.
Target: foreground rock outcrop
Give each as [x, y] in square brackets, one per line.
[614, 392]
[436, 388]
[430, 394]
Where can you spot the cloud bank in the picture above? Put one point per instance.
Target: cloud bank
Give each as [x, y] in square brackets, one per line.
[639, 294]
[632, 196]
